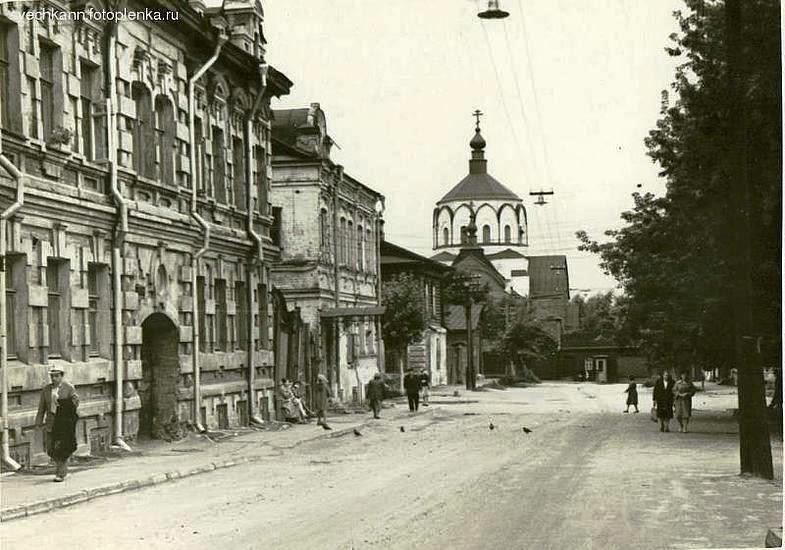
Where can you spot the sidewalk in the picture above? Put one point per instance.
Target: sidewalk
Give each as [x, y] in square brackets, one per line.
[152, 463]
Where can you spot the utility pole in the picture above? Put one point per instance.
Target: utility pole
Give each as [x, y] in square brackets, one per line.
[754, 443]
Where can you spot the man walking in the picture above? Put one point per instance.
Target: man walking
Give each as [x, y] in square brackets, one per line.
[411, 383]
[376, 394]
[322, 401]
[57, 415]
[425, 383]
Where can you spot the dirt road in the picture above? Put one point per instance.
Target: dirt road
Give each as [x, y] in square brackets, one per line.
[587, 476]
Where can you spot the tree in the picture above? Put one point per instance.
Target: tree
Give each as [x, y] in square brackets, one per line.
[526, 342]
[598, 315]
[404, 320]
[674, 258]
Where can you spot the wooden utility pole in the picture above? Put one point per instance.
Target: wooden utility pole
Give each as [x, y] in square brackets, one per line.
[754, 443]
[470, 376]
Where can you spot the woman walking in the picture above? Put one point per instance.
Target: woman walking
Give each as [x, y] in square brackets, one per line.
[663, 400]
[632, 395]
[683, 390]
[323, 395]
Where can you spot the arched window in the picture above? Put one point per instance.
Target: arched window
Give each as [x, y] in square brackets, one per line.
[369, 254]
[144, 132]
[507, 234]
[349, 243]
[446, 236]
[342, 243]
[166, 141]
[486, 233]
[360, 249]
[464, 234]
[238, 173]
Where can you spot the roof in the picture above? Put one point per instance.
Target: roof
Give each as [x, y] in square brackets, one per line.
[360, 311]
[548, 276]
[506, 254]
[456, 317]
[443, 256]
[479, 187]
[394, 254]
[466, 255]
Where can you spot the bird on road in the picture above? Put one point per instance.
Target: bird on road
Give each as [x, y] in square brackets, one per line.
[490, 424]
[357, 432]
[527, 430]
[402, 430]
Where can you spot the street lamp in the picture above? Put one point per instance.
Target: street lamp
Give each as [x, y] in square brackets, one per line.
[493, 11]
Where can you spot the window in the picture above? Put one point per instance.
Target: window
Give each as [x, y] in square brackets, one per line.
[10, 307]
[49, 72]
[54, 307]
[486, 233]
[370, 256]
[92, 310]
[10, 96]
[241, 299]
[200, 177]
[31, 86]
[261, 178]
[464, 235]
[219, 166]
[360, 250]
[507, 234]
[324, 240]
[200, 301]
[144, 132]
[350, 244]
[342, 243]
[262, 322]
[445, 236]
[238, 173]
[222, 340]
[165, 130]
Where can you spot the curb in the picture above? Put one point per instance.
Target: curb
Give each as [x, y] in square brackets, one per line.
[49, 505]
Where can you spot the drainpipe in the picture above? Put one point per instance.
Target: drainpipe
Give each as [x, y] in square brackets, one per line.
[120, 231]
[4, 216]
[197, 413]
[337, 274]
[257, 251]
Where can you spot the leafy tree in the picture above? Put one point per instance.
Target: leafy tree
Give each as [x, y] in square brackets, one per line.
[598, 316]
[526, 342]
[404, 321]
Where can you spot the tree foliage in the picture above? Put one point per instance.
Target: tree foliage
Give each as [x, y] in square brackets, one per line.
[599, 316]
[404, 320]
[671, 257]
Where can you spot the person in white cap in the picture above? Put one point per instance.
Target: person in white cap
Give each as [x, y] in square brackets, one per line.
[57, 415]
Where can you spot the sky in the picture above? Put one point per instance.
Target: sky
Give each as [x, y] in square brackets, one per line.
[569, 90]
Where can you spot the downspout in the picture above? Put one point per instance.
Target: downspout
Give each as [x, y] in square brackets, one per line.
[337, 275]
[197, 412]
[120, 231]
[4, 216]
[379, 340]
[257, 250]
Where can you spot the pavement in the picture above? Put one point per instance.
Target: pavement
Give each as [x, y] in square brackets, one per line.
[585, 476]
[149, 463]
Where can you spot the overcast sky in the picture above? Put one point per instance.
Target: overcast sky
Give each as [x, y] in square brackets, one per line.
[569, 89]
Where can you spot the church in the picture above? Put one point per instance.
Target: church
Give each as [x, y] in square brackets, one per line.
[480, 226]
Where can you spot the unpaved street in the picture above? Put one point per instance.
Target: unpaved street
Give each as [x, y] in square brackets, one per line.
[586, 477]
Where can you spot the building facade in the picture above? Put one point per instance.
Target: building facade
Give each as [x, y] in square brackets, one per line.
[328, 225]
[136, 220]
[430, 352]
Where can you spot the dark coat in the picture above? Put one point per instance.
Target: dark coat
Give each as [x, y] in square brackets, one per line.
[632, 394]
[45, 416]
[412, 383]
[62, 439]
[663, 398]
[322, 396]
[375, 390]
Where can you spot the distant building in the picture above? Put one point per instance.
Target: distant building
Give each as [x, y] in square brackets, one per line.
[430, 352]
[598, 359]
[327, 225]
[549, 295]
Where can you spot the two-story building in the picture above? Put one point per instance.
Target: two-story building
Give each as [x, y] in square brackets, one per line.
[135, 219]
[430, 352]
[327, 224]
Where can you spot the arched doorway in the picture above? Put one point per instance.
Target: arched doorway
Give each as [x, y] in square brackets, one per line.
[160, 372]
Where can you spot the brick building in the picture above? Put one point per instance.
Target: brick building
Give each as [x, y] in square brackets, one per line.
[135, 220]
[328, 226]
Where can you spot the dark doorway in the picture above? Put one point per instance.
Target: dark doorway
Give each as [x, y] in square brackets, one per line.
[160, 372]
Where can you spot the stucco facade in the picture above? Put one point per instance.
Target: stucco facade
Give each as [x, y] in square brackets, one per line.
[105, 109]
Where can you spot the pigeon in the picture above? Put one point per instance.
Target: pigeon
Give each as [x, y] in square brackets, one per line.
[357, 432]
[402, 430]
[490, 424]
[526, 430]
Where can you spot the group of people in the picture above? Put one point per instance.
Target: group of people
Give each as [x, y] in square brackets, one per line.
[670, 398]
[417, 383]
[292, 398]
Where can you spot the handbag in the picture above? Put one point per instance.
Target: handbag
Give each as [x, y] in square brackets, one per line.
[653, 414]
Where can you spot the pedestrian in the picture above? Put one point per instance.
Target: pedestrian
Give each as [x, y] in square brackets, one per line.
[663, 400]
[57, 415]
[297, 392]
[632, 395]
[322, 398]
[683, 390]
[425, 383]
[375, 394]
[411, 383]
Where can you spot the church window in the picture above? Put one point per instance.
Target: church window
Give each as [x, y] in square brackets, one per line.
[446, 236]
[464, 235]
[486, 233]
[507, 234]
